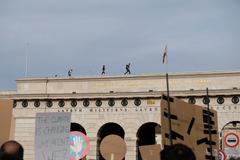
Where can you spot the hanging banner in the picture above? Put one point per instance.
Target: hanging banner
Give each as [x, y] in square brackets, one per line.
[79, 145]
[52, 136]
[189, 126]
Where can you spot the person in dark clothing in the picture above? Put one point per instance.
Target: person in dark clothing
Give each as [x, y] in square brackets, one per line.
[128, 69]
[70, 72]
[11, 150]
[103, 70]
[177, 152]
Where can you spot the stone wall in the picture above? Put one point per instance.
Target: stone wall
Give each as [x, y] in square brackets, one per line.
[147, 88]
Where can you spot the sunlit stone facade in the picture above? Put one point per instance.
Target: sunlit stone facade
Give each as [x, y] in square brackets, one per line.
[119, 103]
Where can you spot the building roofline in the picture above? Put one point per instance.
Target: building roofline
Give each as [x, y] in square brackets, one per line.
[128, 77]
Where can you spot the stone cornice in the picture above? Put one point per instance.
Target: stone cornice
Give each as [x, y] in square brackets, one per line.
[150, 94]
[7, 94]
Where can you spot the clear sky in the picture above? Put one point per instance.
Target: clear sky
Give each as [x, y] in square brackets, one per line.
[56, 35]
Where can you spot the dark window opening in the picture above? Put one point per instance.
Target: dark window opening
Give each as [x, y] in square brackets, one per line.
[49, 103]
[74, 103]
[147, 135]
[77, 127]
[206, 100]
[220, 100]
[105, 130]
[192, 100]
[124, 102]
[86, 102]
[14, 104]
[24, 103]
[137, 101]
[111, 102]
[98, 102]
[36, 103]
[61, 103]
[235, 100]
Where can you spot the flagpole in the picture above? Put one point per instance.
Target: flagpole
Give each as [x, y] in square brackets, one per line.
[26, 60]
[169, 112]
[209, 127]
[26, 65]
[168, 101]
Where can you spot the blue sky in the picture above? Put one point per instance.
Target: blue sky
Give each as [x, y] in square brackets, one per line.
[57, 35]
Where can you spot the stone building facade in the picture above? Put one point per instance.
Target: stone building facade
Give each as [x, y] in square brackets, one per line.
[128, 106]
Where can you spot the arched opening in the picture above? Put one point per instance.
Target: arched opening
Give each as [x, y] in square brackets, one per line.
[77, 127]
[105, 130]
[148, 134]
[230, 127]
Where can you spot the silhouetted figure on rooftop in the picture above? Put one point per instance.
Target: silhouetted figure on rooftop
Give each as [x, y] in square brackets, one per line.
[103, 70]
[128, 69]
[70, 72]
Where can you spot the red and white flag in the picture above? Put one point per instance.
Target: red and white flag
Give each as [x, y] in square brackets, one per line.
[164, 55]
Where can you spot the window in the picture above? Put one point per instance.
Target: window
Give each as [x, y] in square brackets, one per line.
[49, 103]
[98, 102]
[111, 102]
[61, 103]
[124, 102]
[73, 103]
[220, 100]
[206, 100]
[24, 103]
[86, 102]
[36, 103]
[137, 102]
[14, 104]
[192, 100]
[235, 99]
